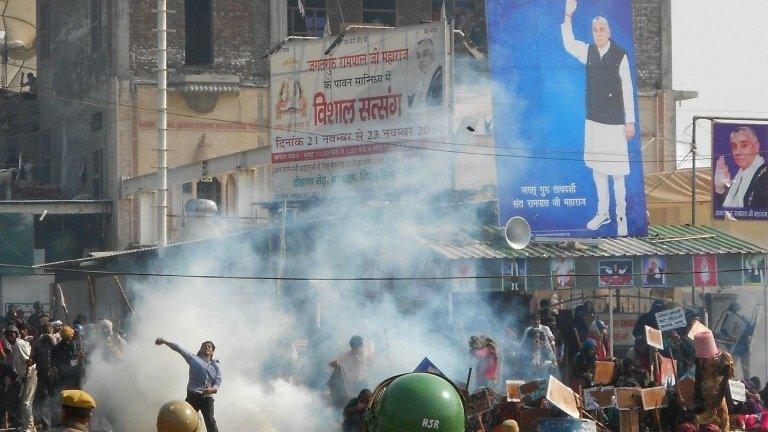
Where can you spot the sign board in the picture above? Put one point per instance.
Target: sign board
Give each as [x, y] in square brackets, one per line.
[600, 397]
[561, 396]
[603, 372]
[666, 374]
[731, 169]
[653, 337]
[628, 397]
[671, 319]
[358, 119]
[729, 329]
[533, 391]
[654, 397]
[738, 390]
[697, 327]
[513, 390]
[541, 90]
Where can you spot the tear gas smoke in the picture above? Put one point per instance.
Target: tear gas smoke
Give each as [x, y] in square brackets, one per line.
[401, 322]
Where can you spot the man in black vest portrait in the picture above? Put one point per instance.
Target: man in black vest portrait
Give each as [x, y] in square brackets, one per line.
[610, 119]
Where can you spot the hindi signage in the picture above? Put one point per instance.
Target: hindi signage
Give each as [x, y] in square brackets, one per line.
[671, 319]
[566, 130]
[353, 120]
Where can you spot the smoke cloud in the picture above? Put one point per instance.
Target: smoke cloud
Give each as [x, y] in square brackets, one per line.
[264, 334]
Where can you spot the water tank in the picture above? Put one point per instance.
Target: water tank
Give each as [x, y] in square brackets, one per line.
[17, 24]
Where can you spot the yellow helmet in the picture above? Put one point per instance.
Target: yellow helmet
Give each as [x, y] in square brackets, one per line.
[177, 416]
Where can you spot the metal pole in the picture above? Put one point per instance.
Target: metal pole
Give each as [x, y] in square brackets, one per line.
[162, 123]
[281, 257]
[765, 323]
[610, 319]
[693, 174]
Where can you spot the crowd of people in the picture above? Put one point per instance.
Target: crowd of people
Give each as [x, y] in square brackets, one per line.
[40, 358]
[569, 346]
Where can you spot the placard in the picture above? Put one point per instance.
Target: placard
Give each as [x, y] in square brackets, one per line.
[686, 390]
[654, 397]
[600, 397]
[666, 375]
[513, 390]
[671, 319]
[533, 391]
[697, 328]
[738, 390]
[653, 337]
[561, 396]
[603, 372]
[628, 397]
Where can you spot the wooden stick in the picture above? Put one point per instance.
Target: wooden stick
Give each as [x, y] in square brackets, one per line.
[469, 377]
[122, 293]
[63, 304]
[92, 291]
[53, 308]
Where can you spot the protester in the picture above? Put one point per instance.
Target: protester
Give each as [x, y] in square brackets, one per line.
[204, 379]
[35, 320]
[354, 412]
[638, 365]
[598, 334]
[535, 321]
[26, 371]
[67, 361]
[42, 349]
[354, 363]
[713, 370]
[540, 356]
[483, 349]
[648, 319]
[742, 347]
[584, 366]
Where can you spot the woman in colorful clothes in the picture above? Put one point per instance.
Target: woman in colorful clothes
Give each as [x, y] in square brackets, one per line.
[597, 334]
[752, 414]
[484, 350]
[713, 370]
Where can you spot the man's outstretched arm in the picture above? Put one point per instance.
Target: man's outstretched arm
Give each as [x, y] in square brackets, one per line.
[575, 48]
[184, 353]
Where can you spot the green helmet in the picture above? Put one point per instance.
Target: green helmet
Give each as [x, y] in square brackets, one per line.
[416, 402]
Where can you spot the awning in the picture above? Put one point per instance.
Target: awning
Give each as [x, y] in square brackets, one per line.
[661, 240]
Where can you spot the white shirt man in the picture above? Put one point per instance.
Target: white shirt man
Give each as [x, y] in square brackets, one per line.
[20, 353]
[749, 188]
[610, 121]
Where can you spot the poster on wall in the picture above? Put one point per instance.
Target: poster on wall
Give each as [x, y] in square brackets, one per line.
[354, 115]
[514, 272]
[739, 171]
[705, 270]
[562, 271]
[617, 272]
[566, 130]
[653, 271]
[753, 266]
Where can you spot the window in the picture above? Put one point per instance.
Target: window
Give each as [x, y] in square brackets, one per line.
[97, 121]
[313, 24]
[210, 190]
[96, 25]
[198, 28]
[382, 12]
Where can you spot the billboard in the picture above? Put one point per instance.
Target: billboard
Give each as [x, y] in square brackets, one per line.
[355, 119]
[566, 133]
[739, 171]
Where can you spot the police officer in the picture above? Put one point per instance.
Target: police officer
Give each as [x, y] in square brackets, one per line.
[76, 409]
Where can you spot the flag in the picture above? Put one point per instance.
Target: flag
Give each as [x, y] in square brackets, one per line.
[327, 29]
[302, 12]
[427, 366]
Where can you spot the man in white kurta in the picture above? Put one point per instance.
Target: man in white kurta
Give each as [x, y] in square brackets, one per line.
[610, 119]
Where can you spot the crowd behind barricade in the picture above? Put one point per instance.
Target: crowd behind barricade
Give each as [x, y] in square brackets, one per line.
[40, 358]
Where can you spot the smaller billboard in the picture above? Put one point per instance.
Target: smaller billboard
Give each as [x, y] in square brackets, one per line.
[617, 272]
[562, 271]
[739, 171]
[705, 270]
[653, 271]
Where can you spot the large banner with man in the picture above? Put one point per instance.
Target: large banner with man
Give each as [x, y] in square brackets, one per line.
[354, 114]
[566, 128]
[739, 171]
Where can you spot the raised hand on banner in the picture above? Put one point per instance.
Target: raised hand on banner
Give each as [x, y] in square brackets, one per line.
[722, 175]
[570, 7]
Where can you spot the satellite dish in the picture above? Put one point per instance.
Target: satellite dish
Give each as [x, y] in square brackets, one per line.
[517, 233]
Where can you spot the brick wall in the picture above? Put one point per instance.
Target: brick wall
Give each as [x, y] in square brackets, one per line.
[647, 17]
